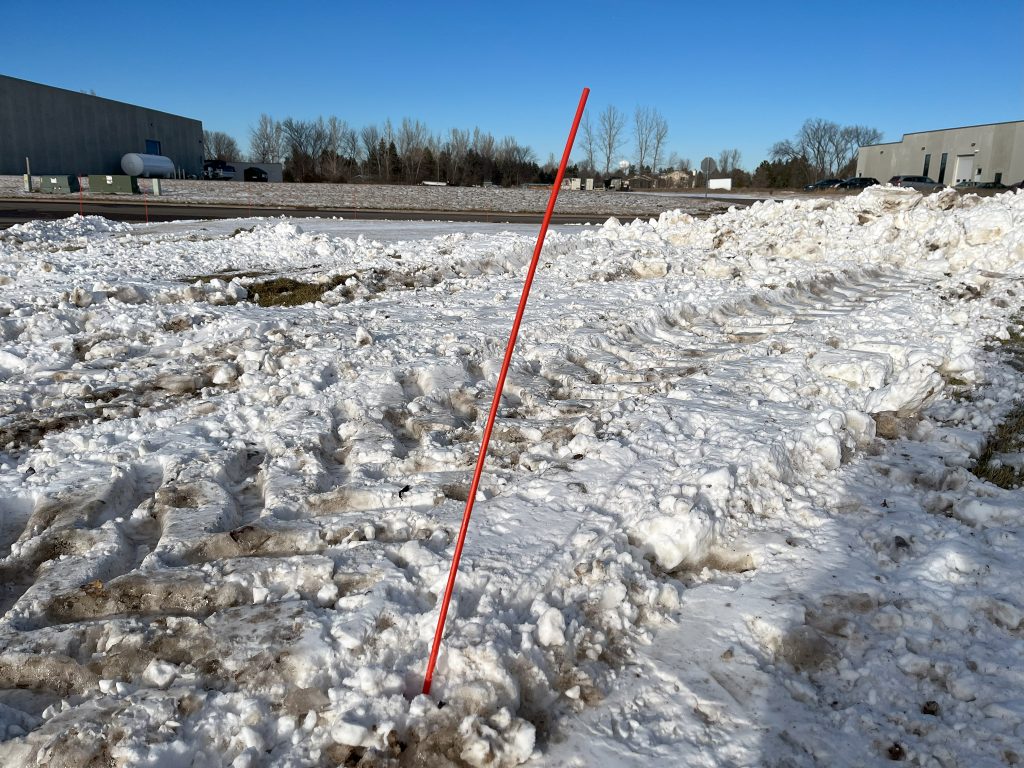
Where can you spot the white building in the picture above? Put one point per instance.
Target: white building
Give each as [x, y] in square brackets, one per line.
[976, 153]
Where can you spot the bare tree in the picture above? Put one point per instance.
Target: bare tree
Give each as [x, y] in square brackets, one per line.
[728, 160]
[643, 135]
[307, 142]
[370, 136]
[826, 146]
[350, 144]
[512, 159]
[680, 163]
[455, 148]
[659, 138]
[335, 129]
[218, 145]
[589, 143]
[610, 125]
[851, 139]
[412, 145]
[265, 144]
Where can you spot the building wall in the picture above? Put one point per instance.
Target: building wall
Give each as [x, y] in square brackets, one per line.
[65, 132]
[978, 152]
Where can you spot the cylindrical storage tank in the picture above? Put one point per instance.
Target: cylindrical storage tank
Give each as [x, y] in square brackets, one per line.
[135, 164]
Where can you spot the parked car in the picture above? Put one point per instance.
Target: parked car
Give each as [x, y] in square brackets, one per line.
[978, 187]
[920, 183]
[218, 169]
[255, 174]
[823, 184]
[858, 182]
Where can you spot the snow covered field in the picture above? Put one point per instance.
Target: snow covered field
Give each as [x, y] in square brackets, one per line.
[391, 197]
[728, 518]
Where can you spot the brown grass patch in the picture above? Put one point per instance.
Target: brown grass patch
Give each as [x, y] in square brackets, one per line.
[286, 292]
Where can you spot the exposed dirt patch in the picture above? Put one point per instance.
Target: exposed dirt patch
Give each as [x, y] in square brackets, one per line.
[1008, 438]
[287, 292]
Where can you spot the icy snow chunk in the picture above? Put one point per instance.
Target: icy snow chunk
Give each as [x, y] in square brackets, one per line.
[829, 450]
[860, 425]
[650, 268]
[989, 513]
[224, 374]
[986, 225]
[866, 370]
[350, 734]
[551, 628]
[676, 540]
[363, 337]
[159, 673]
[886, 199]
[10, 364]
[915, 387]
[287, 229]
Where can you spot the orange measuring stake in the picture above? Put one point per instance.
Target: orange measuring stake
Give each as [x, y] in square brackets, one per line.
[450, 588]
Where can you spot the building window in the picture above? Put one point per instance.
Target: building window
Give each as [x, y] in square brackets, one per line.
[152, 147]
[927, 162]
[942, 167]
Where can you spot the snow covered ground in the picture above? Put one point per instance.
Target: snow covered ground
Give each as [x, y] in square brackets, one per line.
[728, 518]
[392, 197]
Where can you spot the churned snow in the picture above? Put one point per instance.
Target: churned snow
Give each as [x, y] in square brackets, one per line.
[728, 517]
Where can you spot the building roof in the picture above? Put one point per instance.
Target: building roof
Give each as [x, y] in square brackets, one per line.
[939, 130]
[94, 96]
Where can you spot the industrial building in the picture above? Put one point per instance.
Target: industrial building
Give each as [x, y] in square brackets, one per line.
[970, 155]
[66, 132]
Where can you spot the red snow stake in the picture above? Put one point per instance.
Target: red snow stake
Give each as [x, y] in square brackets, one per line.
[429, 675]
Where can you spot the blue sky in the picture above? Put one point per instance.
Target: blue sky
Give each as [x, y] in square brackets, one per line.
[724, 74]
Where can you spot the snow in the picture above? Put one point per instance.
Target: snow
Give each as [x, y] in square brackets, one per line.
[486, 200]
[728, 516]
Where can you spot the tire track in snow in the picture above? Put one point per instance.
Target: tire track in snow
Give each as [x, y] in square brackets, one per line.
[578, 536]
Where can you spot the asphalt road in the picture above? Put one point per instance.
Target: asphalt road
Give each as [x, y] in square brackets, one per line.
[19, 210]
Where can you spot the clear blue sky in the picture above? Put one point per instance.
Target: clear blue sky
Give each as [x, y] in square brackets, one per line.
[724, 74]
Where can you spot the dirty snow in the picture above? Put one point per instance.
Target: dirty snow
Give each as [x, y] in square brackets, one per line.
[728, 518]
[495, 200]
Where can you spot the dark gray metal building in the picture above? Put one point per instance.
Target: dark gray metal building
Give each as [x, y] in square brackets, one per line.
[65, 132]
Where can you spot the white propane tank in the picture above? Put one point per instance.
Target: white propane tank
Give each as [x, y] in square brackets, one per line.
[158, 166]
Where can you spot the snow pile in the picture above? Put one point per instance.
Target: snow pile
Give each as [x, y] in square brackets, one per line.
[727, 518]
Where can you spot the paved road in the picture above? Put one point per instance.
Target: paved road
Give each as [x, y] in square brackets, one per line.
[18, 210]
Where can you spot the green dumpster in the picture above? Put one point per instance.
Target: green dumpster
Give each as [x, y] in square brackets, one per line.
[58, 184]
[115, 185]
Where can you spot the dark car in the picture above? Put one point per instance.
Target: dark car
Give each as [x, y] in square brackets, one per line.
[823, 184]
[218, 169]
[255, 174]
[858, 182]
[920, 183]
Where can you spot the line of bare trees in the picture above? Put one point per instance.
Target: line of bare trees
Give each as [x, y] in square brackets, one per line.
[409, 152]
[604, 141]
[332, 150]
